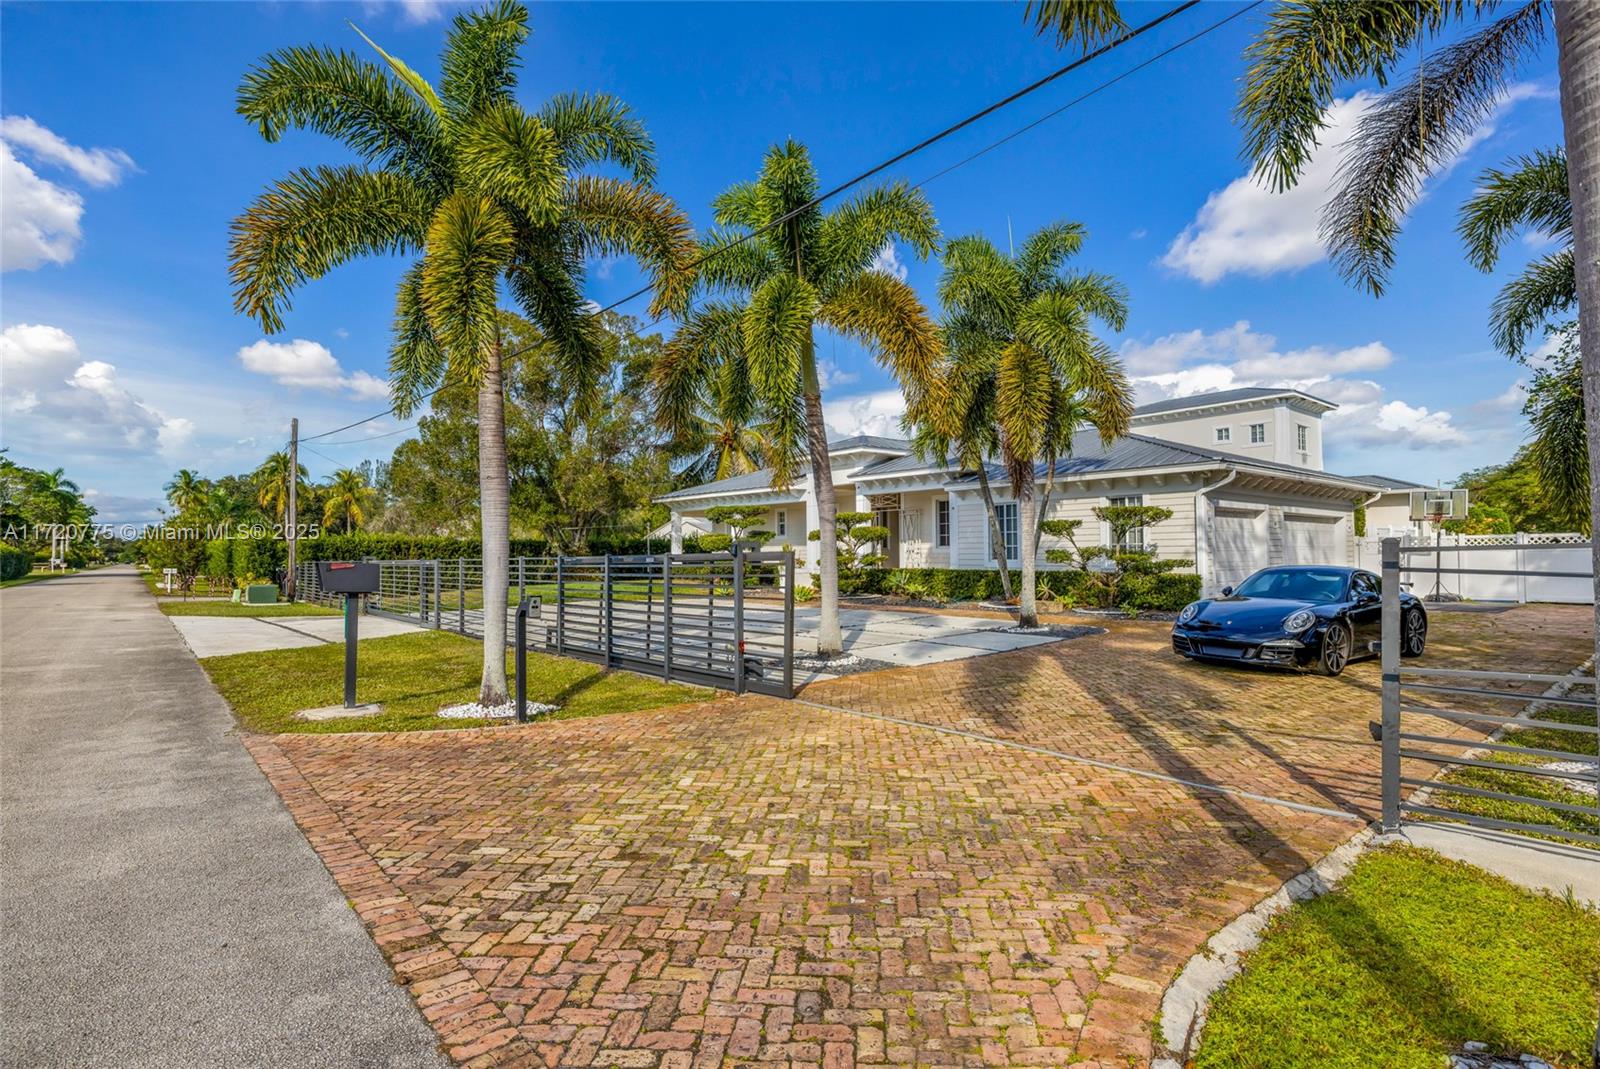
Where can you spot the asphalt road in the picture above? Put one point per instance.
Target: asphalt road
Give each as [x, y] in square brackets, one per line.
[160, 908]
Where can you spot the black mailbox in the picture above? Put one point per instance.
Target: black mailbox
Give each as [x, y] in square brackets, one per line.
[347, 577]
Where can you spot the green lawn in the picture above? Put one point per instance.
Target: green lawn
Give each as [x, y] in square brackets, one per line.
[1411, 956]
[35, 577]
[229, 608]
[414, 676]
[1579, 744]
[203, 587]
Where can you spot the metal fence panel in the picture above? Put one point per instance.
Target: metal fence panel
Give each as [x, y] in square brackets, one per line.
[715, 619]
[1403, 741]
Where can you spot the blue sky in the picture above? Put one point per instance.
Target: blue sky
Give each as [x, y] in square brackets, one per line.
[124, 164]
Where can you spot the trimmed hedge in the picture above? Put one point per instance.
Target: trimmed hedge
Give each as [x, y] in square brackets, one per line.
[1164, 592]
[14, 563]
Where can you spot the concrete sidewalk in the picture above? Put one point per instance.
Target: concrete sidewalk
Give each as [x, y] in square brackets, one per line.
[212, 636]
[161, 907]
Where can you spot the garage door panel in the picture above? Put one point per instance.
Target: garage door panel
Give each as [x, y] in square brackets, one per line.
[1313, 540]
[1238, 545]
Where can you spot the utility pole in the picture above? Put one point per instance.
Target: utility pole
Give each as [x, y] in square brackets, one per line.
[294, 485]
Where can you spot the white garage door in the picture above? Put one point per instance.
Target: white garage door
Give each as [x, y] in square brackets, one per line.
[1238, 545]
[1313, 540]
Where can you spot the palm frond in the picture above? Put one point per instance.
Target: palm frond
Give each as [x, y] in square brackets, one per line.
[598, 128]
[623, 218]
[1555, 411]
[787, 184]
[852, 235]
[1411, 132]
[683, 374]
[412, 80]
[979, 281]
[1056, 327]
[1100, 386]
[1547, 287]
[1023, 396]
[1082, 22]
[887, 316]
[1046, 250]
[479, 63]
[776, 335]
[733, 263]
[470, 243]
[348, 99]
[312, 221]
[504, 149]
[1298, 61]
[542, 281]
[1531, 194]
[1099, 295]
[736, 206]
[416, 361]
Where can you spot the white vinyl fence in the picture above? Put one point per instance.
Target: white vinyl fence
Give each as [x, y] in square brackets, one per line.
[1520, 553]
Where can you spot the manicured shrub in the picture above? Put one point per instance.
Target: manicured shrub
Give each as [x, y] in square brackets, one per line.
[255, 558]
[1160, 591]
[219, 561]
[14, 563]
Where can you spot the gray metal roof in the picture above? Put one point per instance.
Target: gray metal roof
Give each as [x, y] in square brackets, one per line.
[755, 480]
[1223, 397]
[868, 441]
[1384, 482]
[910, 462]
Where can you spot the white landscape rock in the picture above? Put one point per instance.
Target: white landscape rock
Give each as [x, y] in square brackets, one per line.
[508, 711]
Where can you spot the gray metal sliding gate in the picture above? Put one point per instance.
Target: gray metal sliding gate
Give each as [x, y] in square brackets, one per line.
[722, 620]
[1408, 688]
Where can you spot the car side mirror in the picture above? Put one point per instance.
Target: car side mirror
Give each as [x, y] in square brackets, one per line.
[1227, 591]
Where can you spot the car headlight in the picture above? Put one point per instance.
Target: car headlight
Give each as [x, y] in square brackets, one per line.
[1299, 620]
[1190, 611]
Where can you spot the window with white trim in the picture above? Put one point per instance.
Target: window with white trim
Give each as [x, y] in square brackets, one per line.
[1224, 434]
[1302, 437]
[1258, 433]
[1007, 515]
[942, 522]
[781, 522]
[1133, 541]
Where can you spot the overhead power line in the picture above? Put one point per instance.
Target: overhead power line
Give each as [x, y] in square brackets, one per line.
[904, 154]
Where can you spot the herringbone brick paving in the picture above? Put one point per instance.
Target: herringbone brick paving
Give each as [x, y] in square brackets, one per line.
[753, 882]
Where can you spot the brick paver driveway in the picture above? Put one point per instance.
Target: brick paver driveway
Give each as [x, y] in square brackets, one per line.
[753, 881]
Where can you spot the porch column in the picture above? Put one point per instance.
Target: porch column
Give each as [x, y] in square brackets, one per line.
[677, 531]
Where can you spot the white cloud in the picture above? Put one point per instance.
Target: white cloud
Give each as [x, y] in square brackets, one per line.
[1245, 228]
[1192, 362]
[878, 413]
[309, 364]
[121, 508]
[40, 221]
[99, 167]
[52, 395]
[413, 12]
[831, 376]
[888, 261]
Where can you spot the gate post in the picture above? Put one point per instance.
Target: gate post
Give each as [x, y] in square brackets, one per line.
[788, 623]
[561, 606]
[438, 595]
[666, 616]
[522, 584]
[738, 620]
[605, 603]
[1389, 650]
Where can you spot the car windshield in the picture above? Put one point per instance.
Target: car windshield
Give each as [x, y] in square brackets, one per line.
[1298, 584]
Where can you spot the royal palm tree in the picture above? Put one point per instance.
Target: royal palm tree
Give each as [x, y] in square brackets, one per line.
[1025, 372]
[1308, 49]
[1532, 195]
[272, 484]
[481, 192]
[348, 499]
[721, 438]
[187, 491]
[782, 267]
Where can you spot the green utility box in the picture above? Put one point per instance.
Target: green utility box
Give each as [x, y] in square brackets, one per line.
[261, 594]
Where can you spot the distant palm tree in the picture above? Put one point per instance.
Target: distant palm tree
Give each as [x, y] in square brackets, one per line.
[58, 499]
[349, 496]
[1025, 372]
[481, 191]
[187, 491]
[779, 285]
[272, 484]
[721, 436]
[1532, 195]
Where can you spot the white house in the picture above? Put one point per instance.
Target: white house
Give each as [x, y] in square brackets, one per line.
[1241, 471]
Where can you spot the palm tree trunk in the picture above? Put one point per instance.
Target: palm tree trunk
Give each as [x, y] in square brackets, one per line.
[997, 537]
[494, 499]
[830, 642]
[1578, 38]
[1027, 608]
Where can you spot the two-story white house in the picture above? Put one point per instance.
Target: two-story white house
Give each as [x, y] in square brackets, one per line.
[1240, 469]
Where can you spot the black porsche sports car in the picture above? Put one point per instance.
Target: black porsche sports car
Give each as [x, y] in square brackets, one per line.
[1296, 616]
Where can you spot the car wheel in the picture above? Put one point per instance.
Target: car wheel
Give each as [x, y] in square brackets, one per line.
[1413, 633]
[1335, 650]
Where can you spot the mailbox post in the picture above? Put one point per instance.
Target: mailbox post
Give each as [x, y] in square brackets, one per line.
[352, 579]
